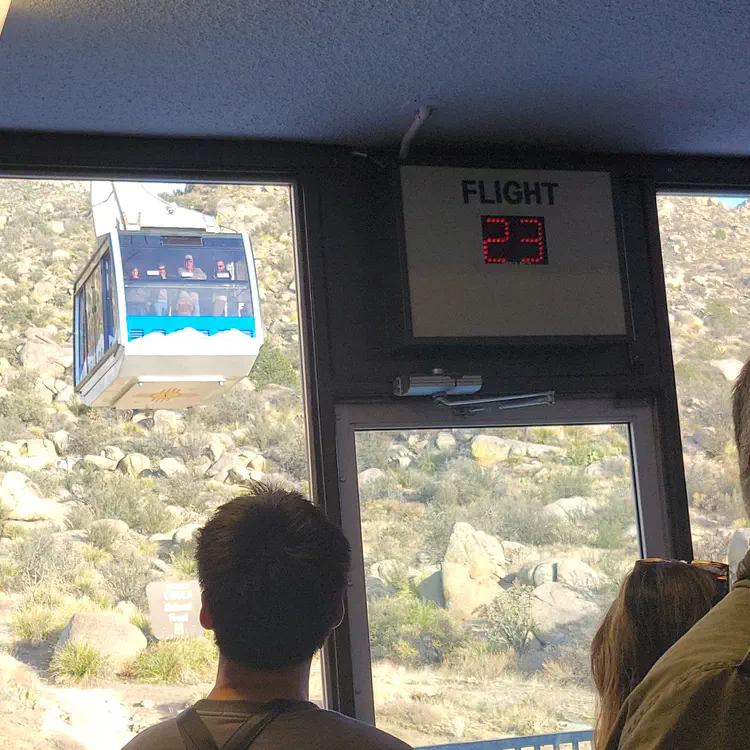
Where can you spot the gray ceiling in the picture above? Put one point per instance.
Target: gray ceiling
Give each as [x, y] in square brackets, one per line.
[645, 75]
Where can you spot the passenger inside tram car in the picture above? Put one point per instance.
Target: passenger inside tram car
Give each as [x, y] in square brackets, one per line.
[273, 572]
[189, 291]
[658, 602]
[698, 694]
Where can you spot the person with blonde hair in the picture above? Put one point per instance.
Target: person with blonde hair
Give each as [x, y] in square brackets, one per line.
[658, 602]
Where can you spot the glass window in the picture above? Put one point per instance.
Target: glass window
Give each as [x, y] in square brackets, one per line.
[108, 535]
[81, 344]
[490, 557]
[95, 346]
[707, 276]
[167, 276]
[109, 296]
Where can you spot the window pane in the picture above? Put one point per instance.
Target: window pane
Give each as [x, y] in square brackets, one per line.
[79, 537]
[707, 274]
[491, 555]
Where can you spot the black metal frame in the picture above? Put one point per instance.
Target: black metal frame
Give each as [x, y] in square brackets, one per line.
[322, 176]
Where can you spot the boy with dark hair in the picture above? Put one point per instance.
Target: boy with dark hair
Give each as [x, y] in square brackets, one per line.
[273, 572]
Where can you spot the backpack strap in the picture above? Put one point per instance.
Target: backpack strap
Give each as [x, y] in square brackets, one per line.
[249, 731]
[194, 733]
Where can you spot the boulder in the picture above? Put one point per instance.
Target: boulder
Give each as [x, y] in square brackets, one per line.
[13, 482]
[60, 256]
[219, 470]
[10, 448]
[238, 475]
[119, 527]
[560, 611]
[574, 573]
[568, 509]
[43, 291]
[65, 395]
[172, 466]
[38, 448]
[445, 442]
[31, 507]
[377, 589]
[216, 449]
[370, 475]
[61, 440]
[57, 227]
[431, 589]
[134, 463]
[109, 632]
[489, 450]
[729, 368]
[253, 460]
[187, 534]
[42, 353]
[7, 501]
[386, 570]
[173, 420]
[615, 466]
[113, 453]
[473, 566]
[515, 551]
[99, 462]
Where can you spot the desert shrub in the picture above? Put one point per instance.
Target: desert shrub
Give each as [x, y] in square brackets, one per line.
[176, 662]
[509, 619]
[192, 444]
[34, 624]
[291, 454]
[96, 428]
[141, 621]
[232, 408]
[720, 317]
[48, 482]
[409, 631]
[373, 449]
[156, 443]
[567, 483]
[184, 562]
[186, 489]
[613, 520]
[103, 536]
[477, 661]
[384, 488]
[273, 368]
[79, 663]
[79, 517]
[43, 560]
[114, 495]
[127, 575]
[24, 407]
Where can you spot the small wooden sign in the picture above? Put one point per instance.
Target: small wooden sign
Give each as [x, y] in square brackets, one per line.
[174, 609]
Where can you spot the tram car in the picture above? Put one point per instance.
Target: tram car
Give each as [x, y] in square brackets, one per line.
[166, 311]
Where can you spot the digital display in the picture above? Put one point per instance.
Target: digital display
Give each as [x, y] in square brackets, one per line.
[514, 239]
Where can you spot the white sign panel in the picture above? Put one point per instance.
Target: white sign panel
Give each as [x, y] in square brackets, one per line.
[498, 253]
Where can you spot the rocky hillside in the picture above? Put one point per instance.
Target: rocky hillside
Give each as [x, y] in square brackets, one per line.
[706, 249]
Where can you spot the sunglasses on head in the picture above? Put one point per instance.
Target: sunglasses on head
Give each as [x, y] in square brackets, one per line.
[719, 570]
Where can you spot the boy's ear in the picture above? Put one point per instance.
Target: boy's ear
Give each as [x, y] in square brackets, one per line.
[206, 618]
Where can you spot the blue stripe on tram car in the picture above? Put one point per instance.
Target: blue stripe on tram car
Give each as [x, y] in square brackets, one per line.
[141, 325]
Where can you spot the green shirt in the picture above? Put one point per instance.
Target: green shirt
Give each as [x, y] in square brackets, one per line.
[697, 696]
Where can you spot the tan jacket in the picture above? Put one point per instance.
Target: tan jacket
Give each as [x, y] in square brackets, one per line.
[697, 696]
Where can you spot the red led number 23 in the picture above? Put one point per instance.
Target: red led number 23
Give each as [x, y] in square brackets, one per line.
[505, 237]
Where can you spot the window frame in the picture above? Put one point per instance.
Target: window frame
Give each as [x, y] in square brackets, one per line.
[654, 534]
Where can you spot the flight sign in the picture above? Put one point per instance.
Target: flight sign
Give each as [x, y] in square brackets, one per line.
[516, 254]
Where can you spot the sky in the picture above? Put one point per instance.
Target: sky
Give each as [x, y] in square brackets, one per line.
[732, 201]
